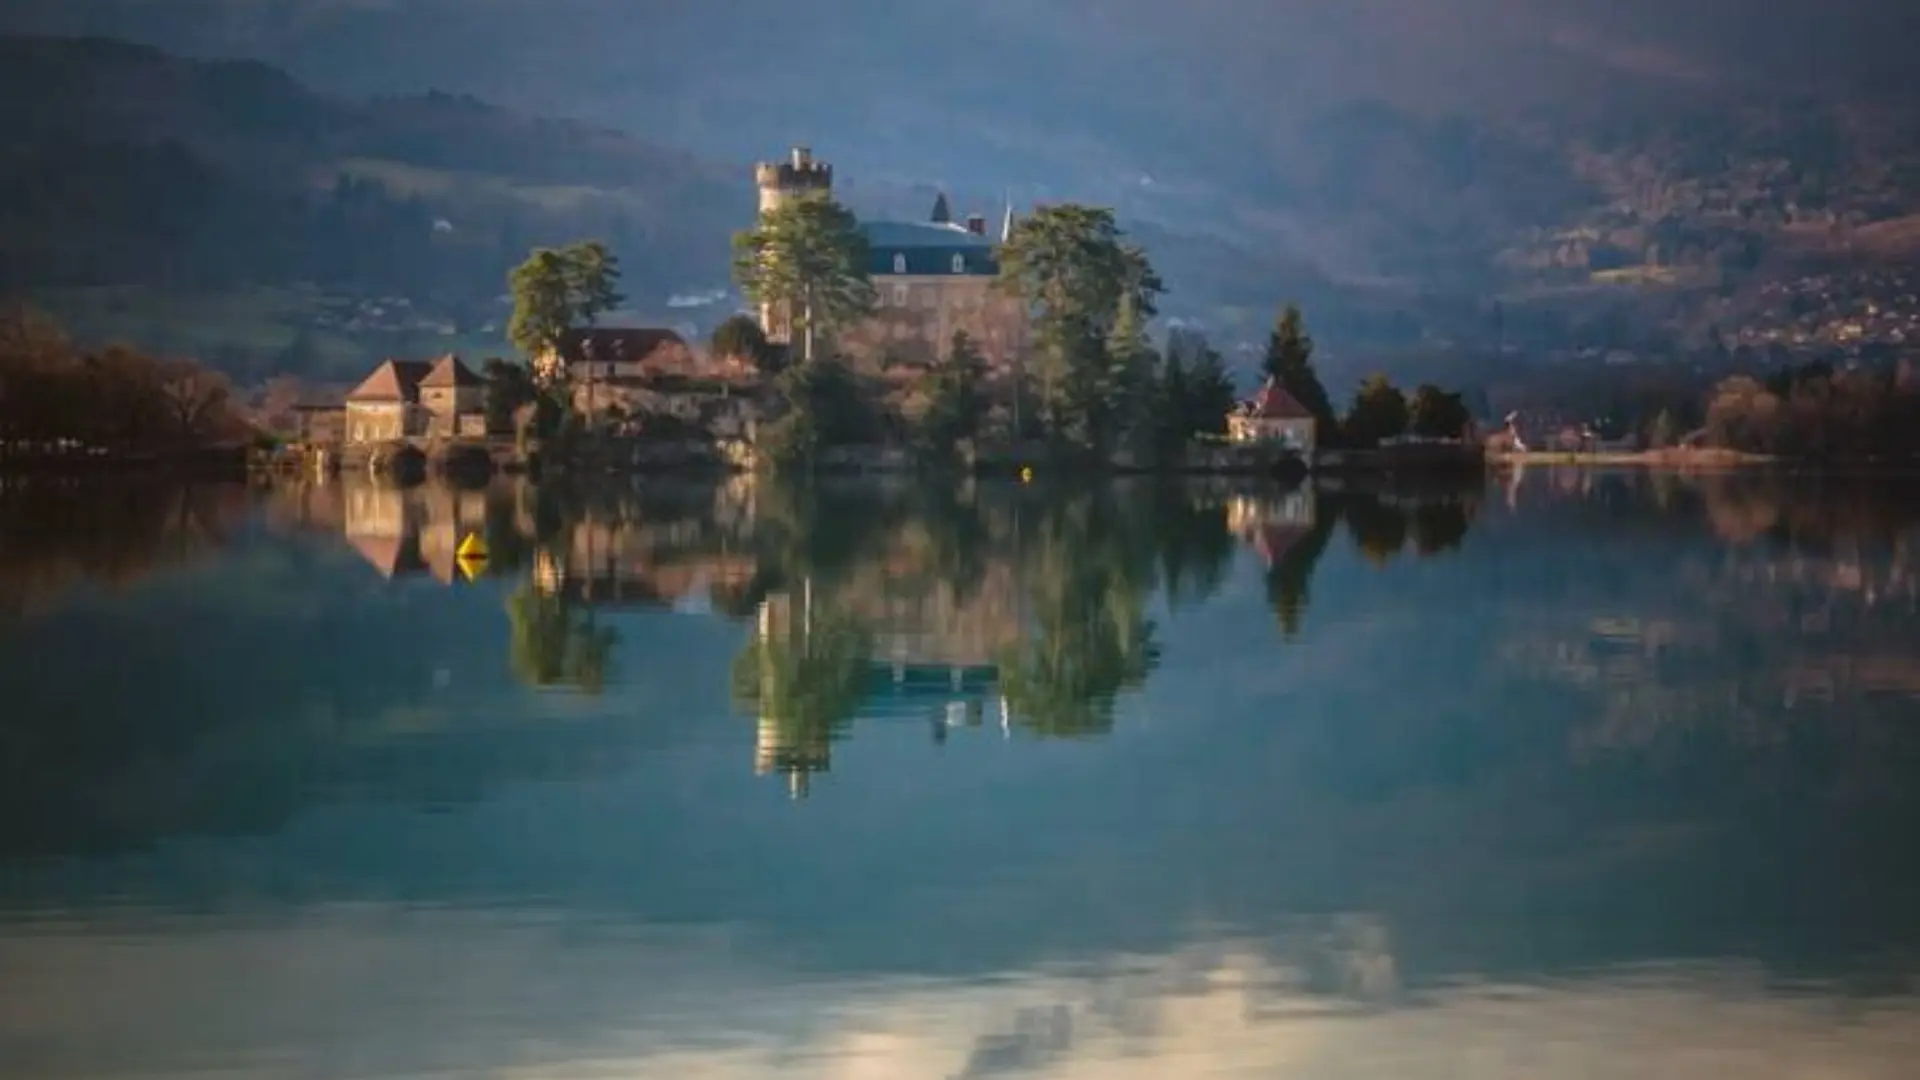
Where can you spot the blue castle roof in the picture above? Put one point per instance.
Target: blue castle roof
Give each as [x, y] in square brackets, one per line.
[924, 247]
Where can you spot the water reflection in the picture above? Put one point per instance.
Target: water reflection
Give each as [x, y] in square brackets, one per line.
[1595, 775]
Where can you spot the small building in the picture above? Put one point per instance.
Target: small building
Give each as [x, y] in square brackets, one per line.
[405, 399]
[614, 355]
[1273, 416]
[455, 399]
[630, 376]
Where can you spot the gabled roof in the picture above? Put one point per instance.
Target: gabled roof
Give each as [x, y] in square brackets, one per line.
[450, 372]
[615, 344]
[1272, 402]
[395, 380]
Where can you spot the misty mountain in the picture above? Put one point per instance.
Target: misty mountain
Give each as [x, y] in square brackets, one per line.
[1459, 145]
[126, 165]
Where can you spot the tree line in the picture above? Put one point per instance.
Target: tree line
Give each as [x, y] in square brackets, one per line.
[59, 400]
[1092, 383]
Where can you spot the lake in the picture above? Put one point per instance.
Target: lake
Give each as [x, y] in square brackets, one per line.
[1577, 774]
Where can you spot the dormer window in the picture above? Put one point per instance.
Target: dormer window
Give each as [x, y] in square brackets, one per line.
[899, 264]
[959, 264]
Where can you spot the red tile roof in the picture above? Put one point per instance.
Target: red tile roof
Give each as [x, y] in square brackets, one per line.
[1274, 403]
[450, 372]
[395, 380]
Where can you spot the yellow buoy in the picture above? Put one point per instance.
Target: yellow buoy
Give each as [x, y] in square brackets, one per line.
[472, 548]
[1026, 474]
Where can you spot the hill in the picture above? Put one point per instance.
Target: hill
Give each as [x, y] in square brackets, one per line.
[132, 181]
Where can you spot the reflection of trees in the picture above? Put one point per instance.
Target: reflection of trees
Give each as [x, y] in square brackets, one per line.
[553, 643]
[1087, 582]
[54, 536]
[1290, 576]
[1381, 527]
[803, 673]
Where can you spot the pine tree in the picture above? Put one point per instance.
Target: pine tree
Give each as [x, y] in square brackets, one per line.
[1210, 393]
[1289, 361]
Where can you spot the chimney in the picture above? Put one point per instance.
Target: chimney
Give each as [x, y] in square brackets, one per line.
[802, 157]
[977, 224]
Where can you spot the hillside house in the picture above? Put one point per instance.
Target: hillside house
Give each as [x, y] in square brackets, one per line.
[1273, 416]
[406, 399]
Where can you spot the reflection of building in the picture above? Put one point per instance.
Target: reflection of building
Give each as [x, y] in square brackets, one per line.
[1272, 526]
[1273, 416]
[403, 531]
[929, 657]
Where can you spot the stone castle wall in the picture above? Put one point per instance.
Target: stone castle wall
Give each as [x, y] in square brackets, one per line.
[917, 318]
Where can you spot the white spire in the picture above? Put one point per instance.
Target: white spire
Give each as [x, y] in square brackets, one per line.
[1006, 223]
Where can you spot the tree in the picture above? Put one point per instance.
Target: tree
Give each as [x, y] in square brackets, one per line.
[555, 290]
[956, 402]
[1173, 418]
[805, 262]
[593, 280]
[1210, 392]
[740, 338]
[509, 386]
[1289, 361]
[1379, 412]
[196, 398]
[1079, 279]
[1662, 430]
[1436, 414]
[1127, 383]
[825, 405]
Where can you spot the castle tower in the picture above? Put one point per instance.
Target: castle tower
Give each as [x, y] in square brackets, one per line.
[782, 180]
[779, 181]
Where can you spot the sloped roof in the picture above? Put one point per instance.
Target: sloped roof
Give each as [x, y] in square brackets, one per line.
[395, 380]
[616, 344]
[1274, 403]
[927, 247]
[450, 372]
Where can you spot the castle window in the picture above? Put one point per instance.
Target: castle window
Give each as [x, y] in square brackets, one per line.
[899, 264]
[959, 264]
[899, 296]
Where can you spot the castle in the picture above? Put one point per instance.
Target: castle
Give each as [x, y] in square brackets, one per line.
[932, 277]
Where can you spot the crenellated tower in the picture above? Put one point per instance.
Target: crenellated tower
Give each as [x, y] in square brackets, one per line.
[799, 174]
[779, 181]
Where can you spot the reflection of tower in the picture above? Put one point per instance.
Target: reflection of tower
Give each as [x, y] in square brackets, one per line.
[783, 742]
[780, 181]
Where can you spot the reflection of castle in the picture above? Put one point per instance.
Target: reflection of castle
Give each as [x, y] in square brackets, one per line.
[928, 660]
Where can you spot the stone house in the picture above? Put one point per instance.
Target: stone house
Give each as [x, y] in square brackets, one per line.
[1274, 416]
[406, 399]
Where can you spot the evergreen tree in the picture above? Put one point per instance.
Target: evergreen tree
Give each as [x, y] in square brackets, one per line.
[956, 403]
[1379, 412]
[806, 258]
[1210, 393]
[1173, 420]
[1289, 361]
[1089, 292]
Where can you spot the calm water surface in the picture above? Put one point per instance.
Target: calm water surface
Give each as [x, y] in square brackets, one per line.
[1579, 775]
